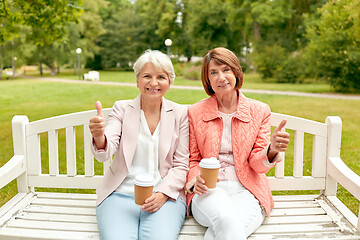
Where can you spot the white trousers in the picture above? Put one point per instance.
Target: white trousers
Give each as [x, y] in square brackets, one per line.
[229, 211]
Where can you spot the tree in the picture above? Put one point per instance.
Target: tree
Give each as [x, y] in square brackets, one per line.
[45, 22]
[124, 39]
[159, 21]
[334, 45]
[47, 19]
[206, 25]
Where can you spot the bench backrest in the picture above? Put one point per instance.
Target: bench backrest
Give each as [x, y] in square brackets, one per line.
[66, 138]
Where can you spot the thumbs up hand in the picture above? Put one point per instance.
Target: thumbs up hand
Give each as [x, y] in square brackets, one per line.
[279, 139]
[97, 127]
[99, 109]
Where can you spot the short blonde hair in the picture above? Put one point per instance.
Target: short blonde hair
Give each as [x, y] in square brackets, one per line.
[220, 56]
[160, 60]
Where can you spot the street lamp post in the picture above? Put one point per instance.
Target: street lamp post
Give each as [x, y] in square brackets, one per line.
[78, 51]
[13, 66]
[168, 44]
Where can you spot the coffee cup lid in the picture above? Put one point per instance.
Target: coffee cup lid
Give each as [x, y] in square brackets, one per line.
[209, 163]
[144, 180]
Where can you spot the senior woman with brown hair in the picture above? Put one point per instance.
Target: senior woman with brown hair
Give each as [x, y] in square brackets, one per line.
[235, 130]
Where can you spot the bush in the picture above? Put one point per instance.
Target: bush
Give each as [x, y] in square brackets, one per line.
[188, 70]
[268, 59]
[334, 46]
[290, 71]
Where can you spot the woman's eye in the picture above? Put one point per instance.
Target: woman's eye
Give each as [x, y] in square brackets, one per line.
[227, 69]
[212, 73]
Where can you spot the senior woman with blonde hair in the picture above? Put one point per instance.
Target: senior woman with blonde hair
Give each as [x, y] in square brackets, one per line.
[148, 134]
[236, 130]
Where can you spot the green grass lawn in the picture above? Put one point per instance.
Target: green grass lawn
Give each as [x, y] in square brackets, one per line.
[251, 81]
[40, 99]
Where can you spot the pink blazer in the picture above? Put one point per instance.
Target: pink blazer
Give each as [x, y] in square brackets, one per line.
[121, 133]
[250, 132]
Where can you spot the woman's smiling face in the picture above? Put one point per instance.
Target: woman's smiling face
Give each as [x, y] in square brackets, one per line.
[152, 82]
[222, 78]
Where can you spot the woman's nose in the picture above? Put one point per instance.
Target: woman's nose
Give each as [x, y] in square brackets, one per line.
[153, 81]
[221, 76]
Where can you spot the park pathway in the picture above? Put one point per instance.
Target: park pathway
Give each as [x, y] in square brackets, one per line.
[291, 93]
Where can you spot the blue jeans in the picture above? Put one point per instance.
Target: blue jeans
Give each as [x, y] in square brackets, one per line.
[118, 217]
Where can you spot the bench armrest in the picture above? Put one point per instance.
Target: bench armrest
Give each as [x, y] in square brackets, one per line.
[342, 174]
[339, 171]
[12, 169]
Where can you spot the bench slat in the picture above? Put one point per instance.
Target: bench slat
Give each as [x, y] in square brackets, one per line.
[333, 235]
[55, 195]
[297, 219]
[297, 212]
[89, 158]
[62, 181]
[70, 152]
[297, 228]
[57, 226]
[299, 124]
[61, 210]
[292, 183]
[298, 154]
[319, 156]
[53, 152]
[64, 202]
[33, 154]
[36, 234]
[58, 217]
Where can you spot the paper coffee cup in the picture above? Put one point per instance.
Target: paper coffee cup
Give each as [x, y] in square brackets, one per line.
[143, 188]
[209, 171]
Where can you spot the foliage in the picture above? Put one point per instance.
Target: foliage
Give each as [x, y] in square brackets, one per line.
[334, 47]
[47, 19]
[268, 59]
[123, 40]
[291, 70]
[188, 70]
[206, 25]
[275, 36]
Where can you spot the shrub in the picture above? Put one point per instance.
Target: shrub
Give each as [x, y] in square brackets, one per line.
[268, 59]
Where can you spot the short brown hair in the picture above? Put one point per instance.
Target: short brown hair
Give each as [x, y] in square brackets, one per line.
[220, 56]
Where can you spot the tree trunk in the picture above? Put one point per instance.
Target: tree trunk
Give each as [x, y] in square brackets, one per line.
[53, 70]
[13, 67]
[75, 66]
[256, 30]
[41, 69]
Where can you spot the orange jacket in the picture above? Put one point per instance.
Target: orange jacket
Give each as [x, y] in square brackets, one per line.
[250, 132]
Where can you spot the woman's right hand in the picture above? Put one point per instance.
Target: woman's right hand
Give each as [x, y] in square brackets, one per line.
[200, 187]
[97, 127]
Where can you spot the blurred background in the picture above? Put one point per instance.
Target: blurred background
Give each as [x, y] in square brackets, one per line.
[284, 41]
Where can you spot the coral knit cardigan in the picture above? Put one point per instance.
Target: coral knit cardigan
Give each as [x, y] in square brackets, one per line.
[250, 133]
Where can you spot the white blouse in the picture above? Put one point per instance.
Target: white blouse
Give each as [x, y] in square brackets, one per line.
[226, 157]
[145, 159]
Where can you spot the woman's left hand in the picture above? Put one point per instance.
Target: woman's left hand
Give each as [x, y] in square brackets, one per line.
[279, 139]
[154, 202]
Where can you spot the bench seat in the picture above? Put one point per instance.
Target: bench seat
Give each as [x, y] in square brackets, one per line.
[45, 215]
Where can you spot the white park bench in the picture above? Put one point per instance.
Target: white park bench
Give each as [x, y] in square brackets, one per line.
[36, 214]
[92, 75]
